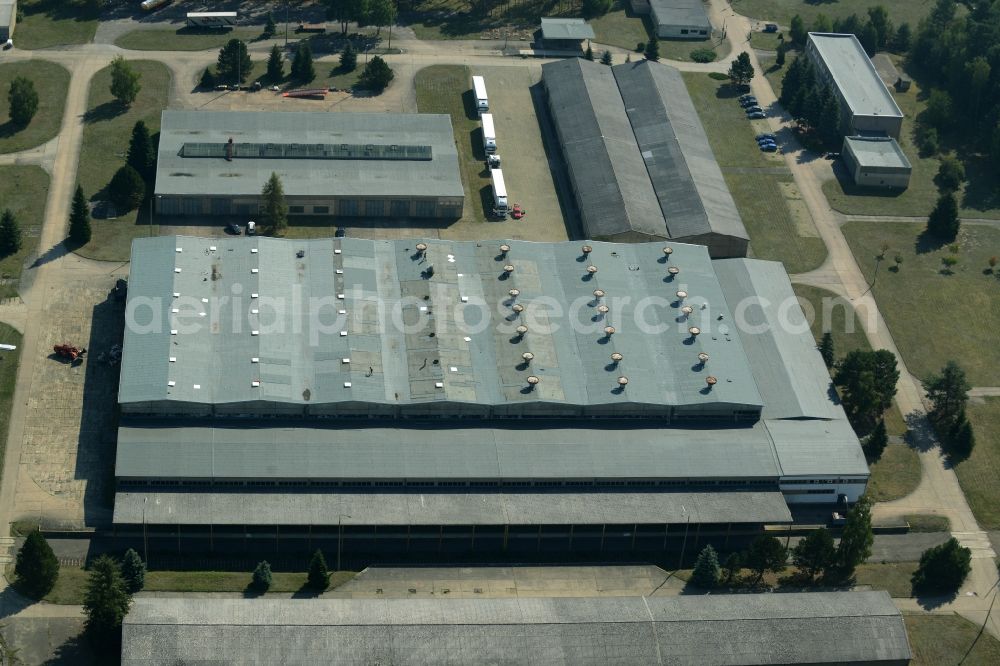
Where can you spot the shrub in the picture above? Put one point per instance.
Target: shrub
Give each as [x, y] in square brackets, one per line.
[703, 55]
[942, 568]
[261, 580]
[718, 76]
[376, 75]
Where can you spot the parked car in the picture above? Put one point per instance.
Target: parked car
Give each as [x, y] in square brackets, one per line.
[233, 228]
[251, 228]
[766, 142]
[9, 44]
[769, 147]
[770, 27]
[761, 137]
[756, 115]
[754, 108]
[750, 101]
[747, 96]
[517, 212]
[340, 233]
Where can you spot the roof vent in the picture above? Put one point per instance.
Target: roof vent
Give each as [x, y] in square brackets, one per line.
[527, 356]
[439, 385]
[514, 293]
[687, 310]
[591, 269]
[599, 293]
[347, 384]
[711, 381]
[421, 247]
[299, 254]
[255, 383]
[521, 330]
[586, 249]
[609, 331]
[603, 309]
[681, 295]
[171, 383]
[694, 331]
[504, 249]
[703, 358]
[673, 270]
[508, 268]
[617, 358]
[533, 381]
[622, 381]
[667, 251]
[517, 307]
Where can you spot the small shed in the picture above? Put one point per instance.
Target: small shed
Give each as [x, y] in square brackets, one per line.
[565, 34]
[876, 161]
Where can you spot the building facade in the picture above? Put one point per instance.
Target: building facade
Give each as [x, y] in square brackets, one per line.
[8, 19]
[876, 162]
[676, 19]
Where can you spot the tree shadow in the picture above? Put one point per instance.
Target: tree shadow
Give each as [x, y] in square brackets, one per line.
[10, 128]
[932, 600]
[928, 242]
[106, 111]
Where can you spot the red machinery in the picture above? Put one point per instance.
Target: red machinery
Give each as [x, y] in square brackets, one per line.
[68, 351]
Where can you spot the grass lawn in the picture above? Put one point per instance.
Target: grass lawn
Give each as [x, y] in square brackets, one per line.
[895, 475]
[448, 89]
[730, 134]
[24, 190]
[455, 19]
[185, 39]
[773, 73]
[980, 474]
[782, 11]
[48, 23]
[893, 577]
[766, 41]
[912, 300]
[105, 141]
[8, 376]
[681, 49]
[928, 523]
[621, 28]
[51, 82]
[944, 639]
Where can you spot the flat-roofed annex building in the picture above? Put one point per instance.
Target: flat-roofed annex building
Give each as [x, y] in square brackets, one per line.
[468, 393]
[638, 158]
[376, 165]
[876, 161]
[696, 630]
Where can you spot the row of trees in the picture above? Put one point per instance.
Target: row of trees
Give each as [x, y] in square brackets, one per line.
[866, 381]
[875, 31]
[811, 102]
[378, 13]
[317, 577]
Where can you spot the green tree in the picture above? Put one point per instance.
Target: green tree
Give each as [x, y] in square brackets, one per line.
[589, 54]
[653, 48]
[133, 571]
[961, 438]
[302, 64]
[765, 554]
[261, 579]
[127, 189]
[943, 568]
[105, 602]
[141, 155]
[940, 110]
[869, 39]
[943, 221]
[857, 538]
[706, 572]
[271, 27]
[822, 24]
[234, 62]
[36, 567]
[877, 441]
[377, 75]
[878, 18]
[829, 119]
[867, 382]
[595, 8]
[606, 58]
[348, 58]
[340, 11]
[779, 59]
[357, 10]
[381, 13]
[950, 175]
[826, 349]
[927, 138]
[797, 30]
[948, 393]
[275, 65]
[319, 576]
[124, 81]
[11, 237]
[904, 36]
[23, 101]
[815, 553]
[741, 70]
[275, 208]
[79, 219]
[791, 82]
[733, 566]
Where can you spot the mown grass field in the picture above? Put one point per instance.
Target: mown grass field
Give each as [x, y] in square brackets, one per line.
[184, 39]
[895, 475]
[51, 82]
[108, 127]
[620, 27]
[980, 474]
[47, 23]
[945, 639]
[893, 577]
[24, 190]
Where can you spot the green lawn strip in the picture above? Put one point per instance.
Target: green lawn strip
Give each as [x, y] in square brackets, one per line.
[447, 89]
[680, 49]
[765, 41]
[184, 39]
[928, 523]
[979, 475]
[893, 577]
[621, 28]
[782, 11]
[944, 639]
[105, 141]
[46, 23]
[24, 190]
[933, 317]
[773, 73]
[895, 475]
[51, 83]
[8, 377]
[730, 134]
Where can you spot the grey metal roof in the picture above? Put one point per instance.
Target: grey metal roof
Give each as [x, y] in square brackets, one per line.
[794, 628]
[854, 75]
[692, 193]
[252, 310]
[680, 13]
[449, 508]
[872, 151]
[566, 28]
[201, 176]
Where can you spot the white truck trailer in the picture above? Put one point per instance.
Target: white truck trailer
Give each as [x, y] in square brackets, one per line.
[489, 134]
[500, 207]
[218, 20]
[482, 102]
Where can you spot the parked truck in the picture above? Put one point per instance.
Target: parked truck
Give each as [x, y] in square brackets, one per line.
[216, 20]
[482, 102]
[489, 134]
[500, 207]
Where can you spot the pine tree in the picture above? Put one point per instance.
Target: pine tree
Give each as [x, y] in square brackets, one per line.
[376, 75]
[741, 70]
[766, 553]
[37, 567]
[606, 58]
[234, 64]
[133, 571]
[271, 27]
[791, 83]
[79, 219]
[348, 58]
[943, 221]
[319, 576]
[275, 65]
[126, 189]
[653, 48]
[779, 58]
[275, 208]
[124, 81]
[105, 602]
[829, 119]
[706, 572]
[797, 30]
[302, 64]
[589, 54]
[962, 438]
[826, 349]
[857, 537]
[815, 553]
[141, 155]
[948, 393]
[733, 566]
[11, 238]
[261, 580]
[877, 441]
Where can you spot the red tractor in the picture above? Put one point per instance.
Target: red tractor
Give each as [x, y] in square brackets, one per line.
[68, 351]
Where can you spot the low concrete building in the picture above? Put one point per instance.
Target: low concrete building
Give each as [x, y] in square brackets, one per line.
[676, 19]
[867, 106]
[716, 630]
[370, 165]
[876, 162]
[565, 34]
[8, 17]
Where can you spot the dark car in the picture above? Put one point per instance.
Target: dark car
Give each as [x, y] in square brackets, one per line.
[747, 96]
[769, 147]
[340, 233]
[756, 115]
[234, 229]
[770, 27]
[750, 101]
[771, 137]
[762, 142]
[753, 109]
